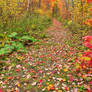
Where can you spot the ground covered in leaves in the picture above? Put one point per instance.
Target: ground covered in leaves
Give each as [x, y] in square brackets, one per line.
[48, 66]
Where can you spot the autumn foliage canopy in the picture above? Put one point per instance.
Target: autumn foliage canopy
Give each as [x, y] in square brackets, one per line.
[89, 1]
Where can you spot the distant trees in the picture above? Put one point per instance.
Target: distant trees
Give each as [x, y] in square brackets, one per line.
[76, 9]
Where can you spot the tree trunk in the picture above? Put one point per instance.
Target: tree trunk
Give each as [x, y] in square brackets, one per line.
[39, 4]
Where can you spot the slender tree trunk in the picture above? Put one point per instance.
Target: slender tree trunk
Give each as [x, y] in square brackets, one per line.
[39, 4]
[28, 5]
[82, 15]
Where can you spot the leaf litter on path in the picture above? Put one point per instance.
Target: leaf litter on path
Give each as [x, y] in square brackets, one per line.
[47, 69]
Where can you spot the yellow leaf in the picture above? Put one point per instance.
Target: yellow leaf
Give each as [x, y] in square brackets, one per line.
[50, 86]
[18, 85]
[86, 58]
[65, 70]
[59, 90]
[64, 79]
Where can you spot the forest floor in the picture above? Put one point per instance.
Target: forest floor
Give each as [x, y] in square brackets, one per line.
[46, 67]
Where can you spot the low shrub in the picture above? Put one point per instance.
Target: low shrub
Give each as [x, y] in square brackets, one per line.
[84, 61]
[16, 43]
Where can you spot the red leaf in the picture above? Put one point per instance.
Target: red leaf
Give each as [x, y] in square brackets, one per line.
[1, 90]
[89, 1]
[40, 81]
[17, 70]
[89, 91]
[90, 82]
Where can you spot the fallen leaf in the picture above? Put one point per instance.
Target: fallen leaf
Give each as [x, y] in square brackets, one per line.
[33, 84]
[1, 90]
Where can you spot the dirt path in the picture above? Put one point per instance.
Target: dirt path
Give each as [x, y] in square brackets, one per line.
[57, 36]
[57, 33]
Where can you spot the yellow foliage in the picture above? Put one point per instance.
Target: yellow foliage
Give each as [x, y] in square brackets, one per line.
[11, 7]
[86, 58]
[80, 11]
[50, 87]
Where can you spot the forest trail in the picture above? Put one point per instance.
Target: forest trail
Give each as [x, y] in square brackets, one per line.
[55, 40]
[57, 33]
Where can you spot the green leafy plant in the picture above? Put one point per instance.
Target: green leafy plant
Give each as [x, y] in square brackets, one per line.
[6, 50]
[2, 39]
[18, 46]
[28, 38]
[13, 35]
[21, 38]
[14, 46]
